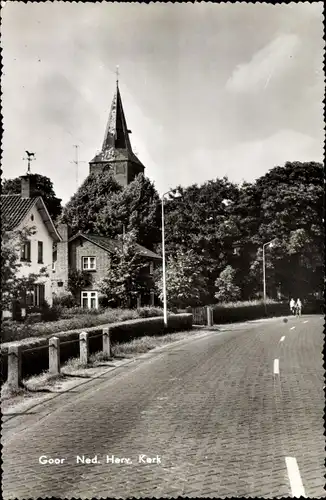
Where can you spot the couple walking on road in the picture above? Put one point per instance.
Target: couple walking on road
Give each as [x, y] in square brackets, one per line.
[295, 307]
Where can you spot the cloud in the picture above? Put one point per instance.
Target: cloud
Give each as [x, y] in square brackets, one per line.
[269, 62]
[251, 159]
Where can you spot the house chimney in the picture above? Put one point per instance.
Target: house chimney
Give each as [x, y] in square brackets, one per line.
[60, 274]
[28, 186]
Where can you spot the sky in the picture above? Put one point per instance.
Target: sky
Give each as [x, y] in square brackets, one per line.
[209, 90]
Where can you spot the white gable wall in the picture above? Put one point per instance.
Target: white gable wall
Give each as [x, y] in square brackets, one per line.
[43, 235]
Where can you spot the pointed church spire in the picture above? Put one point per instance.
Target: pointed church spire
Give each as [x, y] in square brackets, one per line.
[116, 133]
[116, 147]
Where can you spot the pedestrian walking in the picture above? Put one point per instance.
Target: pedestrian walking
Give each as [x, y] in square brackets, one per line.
[298, 307]
[292, 306]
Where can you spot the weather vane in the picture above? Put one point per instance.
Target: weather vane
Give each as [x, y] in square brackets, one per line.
[30, 157]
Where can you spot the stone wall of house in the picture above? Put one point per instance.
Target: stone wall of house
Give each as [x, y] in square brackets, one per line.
[61, 265]
[80, 248]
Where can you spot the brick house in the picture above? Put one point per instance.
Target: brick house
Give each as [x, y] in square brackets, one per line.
[27, 210]
[91, 253]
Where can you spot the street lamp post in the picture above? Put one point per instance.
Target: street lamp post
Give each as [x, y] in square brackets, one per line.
[264, 269]
[165, 312]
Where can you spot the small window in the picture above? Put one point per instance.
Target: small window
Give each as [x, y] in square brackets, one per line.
[89, 300]
[40, 252]
[89, 263]
[25, 254]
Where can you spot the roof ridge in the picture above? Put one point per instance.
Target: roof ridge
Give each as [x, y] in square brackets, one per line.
[11, 194]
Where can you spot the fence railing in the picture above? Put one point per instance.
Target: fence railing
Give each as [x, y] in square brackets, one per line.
[14, 379]
[202, 315]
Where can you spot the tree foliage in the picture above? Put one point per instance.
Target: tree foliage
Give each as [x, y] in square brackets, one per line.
[44, 188]
[201, 219]
[128, 275]
[226, 289]
[135, 208]
[15, 284]
[92, 197]
[185, 284]
[291, 210]
[225, 224]
[77, 281]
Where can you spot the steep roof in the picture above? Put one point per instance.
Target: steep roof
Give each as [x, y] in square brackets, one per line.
[116, 144]
[14, 209]
[110, 245]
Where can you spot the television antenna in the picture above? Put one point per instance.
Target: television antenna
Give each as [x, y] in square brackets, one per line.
[76, 161]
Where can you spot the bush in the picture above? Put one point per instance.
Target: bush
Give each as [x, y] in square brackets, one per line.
[71, 320]
[244, 311]
[148, 312]
[69, 312]
[64, 300]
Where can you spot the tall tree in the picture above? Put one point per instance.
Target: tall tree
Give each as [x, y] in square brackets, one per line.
[200, 220]
[91, 199]
[291, 210]
[135, 208]
[185, 283]
[44, 188]
[126, 276]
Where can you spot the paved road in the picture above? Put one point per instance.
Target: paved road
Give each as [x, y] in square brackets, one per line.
[211, 410]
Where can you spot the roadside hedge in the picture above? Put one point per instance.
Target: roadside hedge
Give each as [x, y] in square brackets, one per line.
[72, 319]
[229, 313]
[35, 355]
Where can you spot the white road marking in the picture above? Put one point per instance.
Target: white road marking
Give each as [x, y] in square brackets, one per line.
[306, 321]
[297, 488]
[282, 338]
[292, 328]
[276, 367]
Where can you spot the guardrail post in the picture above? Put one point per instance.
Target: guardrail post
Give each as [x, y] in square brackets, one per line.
[209, 316]
[84, 348]
[14, 367]
[54, 355]
[106, 342]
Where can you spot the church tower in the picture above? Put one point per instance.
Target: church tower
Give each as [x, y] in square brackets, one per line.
[116, 153]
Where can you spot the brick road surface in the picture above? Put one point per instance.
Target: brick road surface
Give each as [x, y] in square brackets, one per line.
[211, 408]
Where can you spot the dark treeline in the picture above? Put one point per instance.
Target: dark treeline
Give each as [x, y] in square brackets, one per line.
[215, 231]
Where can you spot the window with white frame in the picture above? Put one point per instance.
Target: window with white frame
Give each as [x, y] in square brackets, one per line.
[89, 263]
[89, 299]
